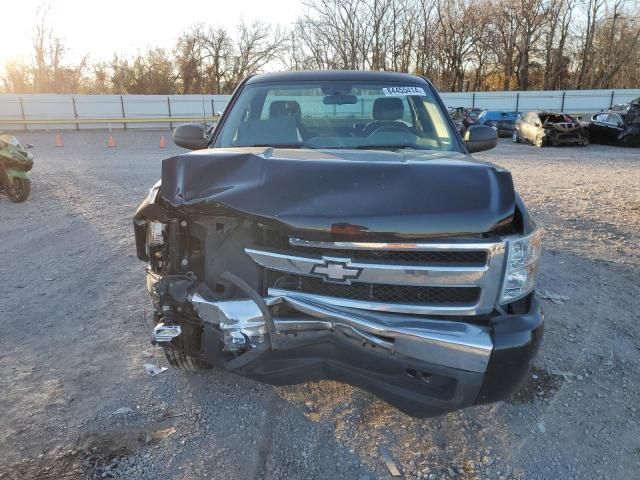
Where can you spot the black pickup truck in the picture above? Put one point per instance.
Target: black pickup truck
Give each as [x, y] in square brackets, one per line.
[334, 225]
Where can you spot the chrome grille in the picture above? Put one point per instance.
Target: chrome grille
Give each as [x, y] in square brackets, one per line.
[412, 295]
[477, 257]
[420, 278]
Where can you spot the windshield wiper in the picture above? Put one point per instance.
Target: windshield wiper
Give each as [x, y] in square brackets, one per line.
[278, 145]
[396, 146]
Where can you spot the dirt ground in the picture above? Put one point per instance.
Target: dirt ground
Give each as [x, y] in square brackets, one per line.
[76, 401]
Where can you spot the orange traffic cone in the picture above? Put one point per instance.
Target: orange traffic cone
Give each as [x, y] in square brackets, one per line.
[111, 142]
[163, 142]
[59, 140]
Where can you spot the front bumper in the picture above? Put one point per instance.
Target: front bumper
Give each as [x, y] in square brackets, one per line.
[564, 139]
[423, 366]
[505, 130]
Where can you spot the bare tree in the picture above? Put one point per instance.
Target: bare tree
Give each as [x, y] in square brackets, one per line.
[257, 46]
[557, 61]
[618, 38]
[458, 44]
[50, 73]
[594, 10]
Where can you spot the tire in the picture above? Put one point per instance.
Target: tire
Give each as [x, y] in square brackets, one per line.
[515, 137]
[19, 190]
[539, 141]
[585, 142]
[183, 361]
[627, 142]
[182, 352]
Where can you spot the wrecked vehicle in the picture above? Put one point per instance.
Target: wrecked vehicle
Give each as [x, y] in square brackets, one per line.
[464, 117]
[617, 127]
[548, 128]
[458, 120]
[336, 227]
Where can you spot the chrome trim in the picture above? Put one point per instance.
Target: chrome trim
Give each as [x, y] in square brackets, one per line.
[450, 344]
[487, 277]
[237, 319]
[297, 242]
[369, 272]
[163, 333]
[453, 344]
[405, 308]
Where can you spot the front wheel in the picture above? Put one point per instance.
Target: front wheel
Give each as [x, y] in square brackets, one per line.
[183, 351]
[539, 141]
[181, 360]
[515, 137]
[19, 189]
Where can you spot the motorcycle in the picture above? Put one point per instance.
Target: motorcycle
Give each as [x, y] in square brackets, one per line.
[15, 163]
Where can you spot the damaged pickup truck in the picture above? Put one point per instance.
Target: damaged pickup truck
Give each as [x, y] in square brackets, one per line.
[335, 226]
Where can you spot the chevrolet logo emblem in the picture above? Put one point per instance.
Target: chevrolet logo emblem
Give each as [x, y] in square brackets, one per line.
[336, 271]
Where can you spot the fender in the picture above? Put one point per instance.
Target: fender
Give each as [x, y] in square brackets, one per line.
[15, 173]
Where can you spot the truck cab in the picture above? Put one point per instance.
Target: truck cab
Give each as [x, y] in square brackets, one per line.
[335, 225]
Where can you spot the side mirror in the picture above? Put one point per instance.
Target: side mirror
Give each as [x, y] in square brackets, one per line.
[480, 137]
[191, 136]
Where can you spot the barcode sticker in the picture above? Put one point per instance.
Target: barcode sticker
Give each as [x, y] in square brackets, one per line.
[401, 91]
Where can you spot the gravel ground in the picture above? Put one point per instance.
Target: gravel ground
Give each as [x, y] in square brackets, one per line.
[77, 403]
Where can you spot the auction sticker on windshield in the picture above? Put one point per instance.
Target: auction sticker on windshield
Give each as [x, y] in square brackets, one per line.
[397, 91]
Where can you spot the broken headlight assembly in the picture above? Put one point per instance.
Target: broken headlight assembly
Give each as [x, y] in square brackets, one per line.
[155, 234]
[154, 244]
[522, 266]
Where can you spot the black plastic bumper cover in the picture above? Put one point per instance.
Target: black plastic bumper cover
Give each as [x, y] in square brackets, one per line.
[420, 389]
[516, 339]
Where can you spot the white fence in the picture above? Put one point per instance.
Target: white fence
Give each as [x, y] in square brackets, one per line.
[569, 101]
[49, 111]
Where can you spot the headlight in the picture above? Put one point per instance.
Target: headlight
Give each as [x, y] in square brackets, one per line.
[155, 234]
[522, 266]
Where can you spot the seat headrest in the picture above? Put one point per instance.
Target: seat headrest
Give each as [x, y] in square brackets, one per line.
[388, 109]
[284, 108]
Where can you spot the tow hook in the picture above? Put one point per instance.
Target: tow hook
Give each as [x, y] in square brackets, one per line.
[163, 333]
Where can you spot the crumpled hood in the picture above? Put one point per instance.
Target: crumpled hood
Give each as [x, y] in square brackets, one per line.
[562, 126]
[408, 194]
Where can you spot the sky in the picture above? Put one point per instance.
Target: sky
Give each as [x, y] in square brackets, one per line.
[100, 28]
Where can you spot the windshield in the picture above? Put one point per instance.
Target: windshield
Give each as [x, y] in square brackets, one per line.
[10, 139]
[336, 115]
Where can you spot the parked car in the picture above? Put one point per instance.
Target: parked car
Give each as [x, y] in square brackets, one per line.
[474, 113]
[621, 109]
[468, 116]
[550, 128]
[312, 238]
[458, 119]
[620, 127]
[605, 128]
[503, 122]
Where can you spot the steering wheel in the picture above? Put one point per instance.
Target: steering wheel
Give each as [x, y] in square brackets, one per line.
[386, 127]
